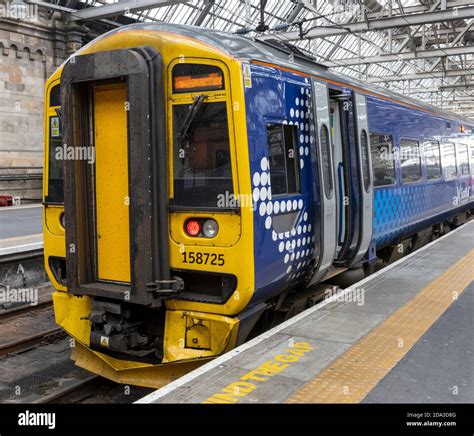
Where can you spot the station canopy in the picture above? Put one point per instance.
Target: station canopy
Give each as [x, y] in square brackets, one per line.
[420, 48]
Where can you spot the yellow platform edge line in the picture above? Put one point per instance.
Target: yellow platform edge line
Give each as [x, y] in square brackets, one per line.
[351, 377]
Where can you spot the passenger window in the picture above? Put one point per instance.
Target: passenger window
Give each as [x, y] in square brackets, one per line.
[326, 160]
[433, 160]
[410, 161]
[283, 158]
[383, 163]
[463, 160]
[449, 161]
[364, 147]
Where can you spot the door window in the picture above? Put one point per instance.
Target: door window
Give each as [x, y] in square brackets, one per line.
[283, 158]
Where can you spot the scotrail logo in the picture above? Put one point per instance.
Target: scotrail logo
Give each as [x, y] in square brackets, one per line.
[462, 196]
[35, 419]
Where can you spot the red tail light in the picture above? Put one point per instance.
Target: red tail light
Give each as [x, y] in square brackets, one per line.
[193, 228]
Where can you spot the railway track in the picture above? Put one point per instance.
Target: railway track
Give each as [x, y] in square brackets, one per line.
[27, 342]
[73, 392]
[35, 361]
[20, 327]
[93, 389]
[16, 311]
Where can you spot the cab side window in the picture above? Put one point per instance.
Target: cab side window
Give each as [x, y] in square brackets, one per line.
[55, 170]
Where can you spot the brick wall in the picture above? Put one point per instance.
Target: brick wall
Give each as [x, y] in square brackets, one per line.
[30, 50]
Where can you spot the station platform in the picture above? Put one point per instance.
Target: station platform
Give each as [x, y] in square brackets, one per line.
[403, 334]
[21, 229]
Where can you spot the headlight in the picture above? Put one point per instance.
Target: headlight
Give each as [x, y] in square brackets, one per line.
[210, 228]
[62, 220]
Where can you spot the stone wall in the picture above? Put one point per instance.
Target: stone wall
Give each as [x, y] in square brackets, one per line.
[31, 48]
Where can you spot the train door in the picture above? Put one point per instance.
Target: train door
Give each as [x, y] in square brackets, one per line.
[339, 168]
[111, 183]
[365, 180]
[116, 205]
[471, 165]
[325, 161]
[343, 243]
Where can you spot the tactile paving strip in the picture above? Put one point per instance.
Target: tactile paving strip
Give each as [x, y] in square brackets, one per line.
[353, 375]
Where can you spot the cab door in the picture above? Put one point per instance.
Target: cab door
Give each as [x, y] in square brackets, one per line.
[116, 208]
[111, 183]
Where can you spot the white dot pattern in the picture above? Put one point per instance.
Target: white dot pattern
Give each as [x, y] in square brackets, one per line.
[295, 246]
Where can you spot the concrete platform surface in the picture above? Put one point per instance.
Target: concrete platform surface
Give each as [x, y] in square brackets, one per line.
[21, 229]
[392, 337]
[447, 351]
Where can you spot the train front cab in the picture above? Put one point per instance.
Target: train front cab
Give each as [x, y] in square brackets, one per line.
[121, 242]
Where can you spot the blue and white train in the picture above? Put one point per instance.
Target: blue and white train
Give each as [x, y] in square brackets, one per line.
[230, 177]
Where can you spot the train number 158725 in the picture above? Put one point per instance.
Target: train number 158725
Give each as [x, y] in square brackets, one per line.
[203, 258]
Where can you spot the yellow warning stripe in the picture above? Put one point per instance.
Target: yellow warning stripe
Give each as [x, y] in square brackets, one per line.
[353, 375]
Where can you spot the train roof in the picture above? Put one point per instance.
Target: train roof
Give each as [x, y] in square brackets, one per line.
[250, 49]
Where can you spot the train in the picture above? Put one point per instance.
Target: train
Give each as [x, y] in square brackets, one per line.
[200, 186]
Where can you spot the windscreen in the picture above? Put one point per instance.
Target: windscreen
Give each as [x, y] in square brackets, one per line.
[202, 164]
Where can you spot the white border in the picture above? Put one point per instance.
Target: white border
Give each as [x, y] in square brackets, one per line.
[24, 206]
[21, 248]
[165, 390]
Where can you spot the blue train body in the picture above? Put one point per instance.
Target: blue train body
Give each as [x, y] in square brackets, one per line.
[282, 258]
[403, 209]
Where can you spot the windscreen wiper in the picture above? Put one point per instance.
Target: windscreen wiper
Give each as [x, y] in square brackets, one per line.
[59, 113]
[184, 131]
